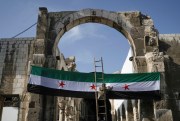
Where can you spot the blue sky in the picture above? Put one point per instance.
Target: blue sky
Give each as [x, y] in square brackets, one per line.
[89, 40]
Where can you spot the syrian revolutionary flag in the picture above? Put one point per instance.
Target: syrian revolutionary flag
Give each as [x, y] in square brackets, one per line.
[81, 85]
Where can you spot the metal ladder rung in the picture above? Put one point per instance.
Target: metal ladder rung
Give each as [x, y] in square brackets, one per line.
[98, 66]
[98, 60]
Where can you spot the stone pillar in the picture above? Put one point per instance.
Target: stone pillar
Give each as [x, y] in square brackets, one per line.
[1, 106]
[123, 112]
[155, 63]
[24, 107]
[39, 45]
[62, 106]
[42, 23]
[127, 115]
[61, 115]
[129, 110]
[122, 118]
[118, 115]
[135, 110]
[126, 110]
[139, 109]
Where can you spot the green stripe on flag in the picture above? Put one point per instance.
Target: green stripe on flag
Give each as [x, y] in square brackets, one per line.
[89, 77]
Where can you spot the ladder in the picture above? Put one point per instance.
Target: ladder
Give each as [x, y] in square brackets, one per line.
[100, 96]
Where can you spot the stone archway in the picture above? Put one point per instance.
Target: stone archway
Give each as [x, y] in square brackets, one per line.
[136, 27]
[111, 19]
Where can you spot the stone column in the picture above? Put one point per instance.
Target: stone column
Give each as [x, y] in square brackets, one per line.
[62, 106]
[155, 63]
[24, 107]
[1, 106]
[69, 113]
[122, 118]
[126, 110]
[123, 112]
[127, 116]
[135, 110]
[61, 115]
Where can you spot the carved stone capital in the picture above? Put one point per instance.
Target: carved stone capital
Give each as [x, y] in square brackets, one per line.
[38, 59]
[62, 104]
[155, 61]
[154, 57]
[140, 60]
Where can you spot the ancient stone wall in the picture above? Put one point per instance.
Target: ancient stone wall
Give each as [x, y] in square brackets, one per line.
[170, 45]
[15, 56]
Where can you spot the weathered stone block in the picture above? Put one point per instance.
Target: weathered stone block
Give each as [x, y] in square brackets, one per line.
[18, 85]
[105, 14]
[86, 12]
[147, 22]
[113, 16]
[19, 77]
[18, 90]
[164, 115]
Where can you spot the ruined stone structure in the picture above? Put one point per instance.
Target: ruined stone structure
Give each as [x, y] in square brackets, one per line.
[152, 52]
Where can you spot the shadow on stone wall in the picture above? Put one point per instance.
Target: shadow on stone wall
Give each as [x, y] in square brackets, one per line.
[90, 110]
[172, 75]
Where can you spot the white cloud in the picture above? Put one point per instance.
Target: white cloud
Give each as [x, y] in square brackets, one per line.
[93, 30]
[84, 56]
[73, 35]
[81, 32]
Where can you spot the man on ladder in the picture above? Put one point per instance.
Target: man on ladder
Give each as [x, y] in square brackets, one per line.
[103, 106]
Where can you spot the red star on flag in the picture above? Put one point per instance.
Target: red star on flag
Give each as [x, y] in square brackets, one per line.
[93, 87]
[61, 84]
[126, 87]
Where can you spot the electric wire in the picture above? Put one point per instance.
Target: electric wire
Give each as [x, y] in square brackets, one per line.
[24, 30]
